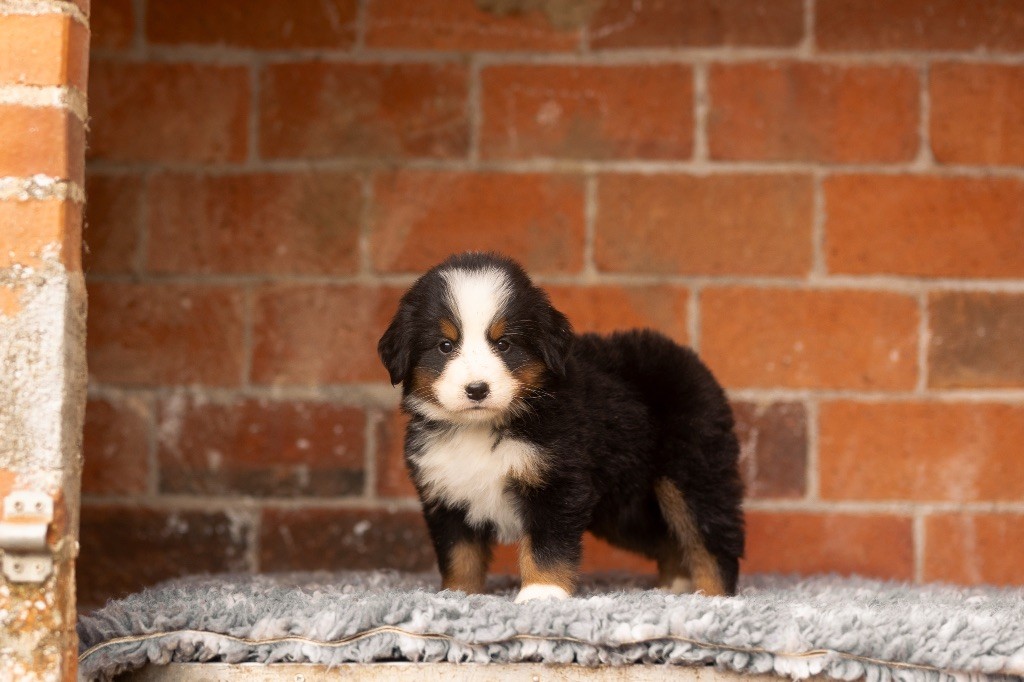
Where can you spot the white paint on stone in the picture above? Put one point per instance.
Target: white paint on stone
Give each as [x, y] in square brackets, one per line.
[42, 406]
[50, 96]
[37, 7]
[40, 187]
[42, 375]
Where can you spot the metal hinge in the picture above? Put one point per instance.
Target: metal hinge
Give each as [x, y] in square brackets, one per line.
[27, 517]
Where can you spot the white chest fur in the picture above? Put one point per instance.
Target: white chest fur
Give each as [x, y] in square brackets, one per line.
[466, 468]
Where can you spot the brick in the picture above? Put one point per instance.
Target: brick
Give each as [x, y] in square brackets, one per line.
[44, 49]
[40, 140]
[421, 217]
[8, 479]
[607, 308]
[60, 527]
[810, 339]
[798, 111]
[392, 476]
[467, 25]
[924, 226]
[260, 448]
[977, 113]
[31, 231]
[975, 340]
[112, 24]
[10, 299]
[700, 23]
[973, 549]
[587, 112]
[806, 543]
[157, 334]
[313, 335]
[598, 557]
[773, 448]
[149, 112]
[344, 539]
[113, 216]
[127, 548]
[921, 451]
[713, 225]
[270, 223]
[996, 25]
[265, 25]
[318, 110]
[116, 446]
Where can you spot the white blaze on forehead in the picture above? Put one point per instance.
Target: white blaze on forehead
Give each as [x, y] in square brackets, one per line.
[476, 298]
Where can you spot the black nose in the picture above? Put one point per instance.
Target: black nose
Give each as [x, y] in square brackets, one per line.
[477, 390]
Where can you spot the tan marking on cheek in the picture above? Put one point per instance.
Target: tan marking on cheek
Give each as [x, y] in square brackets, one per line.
[529, 375]
[467, 567]
[497, 329]
[698, 561]
[561, 574]
[449, 330]
[422, 384]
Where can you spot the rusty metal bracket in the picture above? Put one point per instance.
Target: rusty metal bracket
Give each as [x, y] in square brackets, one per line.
[26, 556]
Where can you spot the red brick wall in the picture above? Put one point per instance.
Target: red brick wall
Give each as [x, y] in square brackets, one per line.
[825, 197]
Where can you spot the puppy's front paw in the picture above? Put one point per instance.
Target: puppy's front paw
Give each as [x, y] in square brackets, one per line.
[540, 591]
[678, 585]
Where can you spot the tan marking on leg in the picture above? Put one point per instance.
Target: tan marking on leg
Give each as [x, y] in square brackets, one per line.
[561, 574]
[673, 569]
[449, 329]
[702, 566]
[467, 567]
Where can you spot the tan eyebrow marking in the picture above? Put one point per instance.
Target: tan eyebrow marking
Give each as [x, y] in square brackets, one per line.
[449, 329]
[497, 329]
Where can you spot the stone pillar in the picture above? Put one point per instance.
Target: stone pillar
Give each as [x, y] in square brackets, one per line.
[43, 70]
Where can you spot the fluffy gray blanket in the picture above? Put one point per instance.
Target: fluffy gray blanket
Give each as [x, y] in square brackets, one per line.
[841, 628]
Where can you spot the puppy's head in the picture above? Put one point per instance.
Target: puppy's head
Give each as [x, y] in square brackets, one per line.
[473, 340]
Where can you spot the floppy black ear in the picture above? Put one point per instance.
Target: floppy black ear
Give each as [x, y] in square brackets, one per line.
[395, 347]
[555, 338]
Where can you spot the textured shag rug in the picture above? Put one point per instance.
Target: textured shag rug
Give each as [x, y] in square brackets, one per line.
[842, 628]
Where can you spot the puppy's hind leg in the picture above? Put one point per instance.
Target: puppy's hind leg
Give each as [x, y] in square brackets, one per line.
[702, 567]
[673, 568]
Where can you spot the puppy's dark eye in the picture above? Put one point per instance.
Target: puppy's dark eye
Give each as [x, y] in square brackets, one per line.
[446, 347]
[503, 345]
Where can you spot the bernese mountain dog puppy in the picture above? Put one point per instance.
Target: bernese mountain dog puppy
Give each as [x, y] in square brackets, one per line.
[522, 431]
